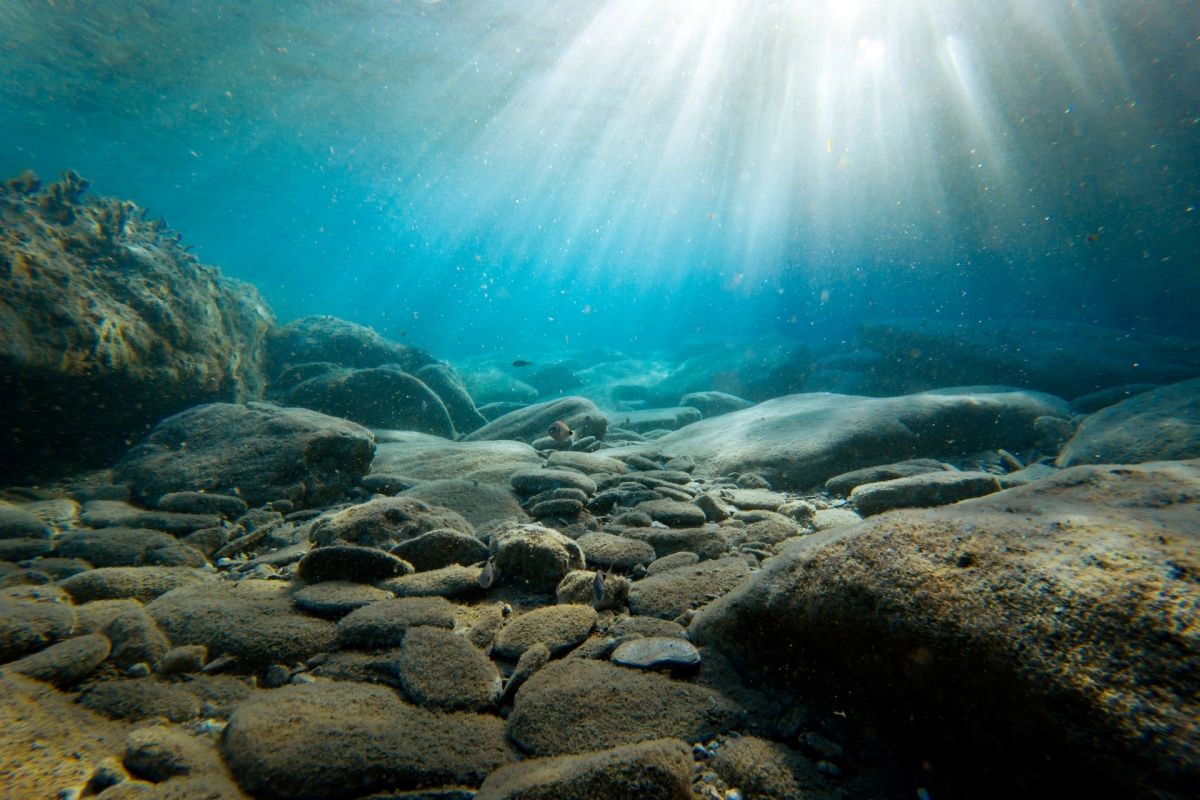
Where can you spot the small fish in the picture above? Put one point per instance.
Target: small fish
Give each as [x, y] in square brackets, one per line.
[488, 576]
[520, 362]
[559, 431]
[598, 589]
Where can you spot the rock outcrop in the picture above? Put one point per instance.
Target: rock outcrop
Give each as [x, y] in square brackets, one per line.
[108, 324]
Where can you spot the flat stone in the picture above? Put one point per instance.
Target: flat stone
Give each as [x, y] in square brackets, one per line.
[349, 563]
[136, 639]
[589, 463]
[668, 594]
[714, 404]
[117, 514]
[137, 583]
[657, 652]
[225, 505]
[827, 518]
[660, 769]
[531, 422]
[385, 623]
[618, 552]
[142, 698]
[453, 581]
[799, 441]
[922, 491]
[342, 735]
[533, 558]
[707, 542]
[333, 599]
[764, 768]
[579, 587]
[425, 457]
[558, 627]
[16, 523]
[652, 419]
[15, 550]
[128, 547]
[646, 626]
[673, 513]
[546, 713]
[252, 620]
[441, 548]
[377, 397]
[843, 484]
[556, 507]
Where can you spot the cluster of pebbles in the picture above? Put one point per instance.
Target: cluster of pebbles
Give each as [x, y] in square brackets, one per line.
[562, 618]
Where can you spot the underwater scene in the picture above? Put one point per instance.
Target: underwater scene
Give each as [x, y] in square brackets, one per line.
[520, 399]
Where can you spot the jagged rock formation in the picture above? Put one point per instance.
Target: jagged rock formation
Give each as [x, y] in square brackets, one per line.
[108, 324]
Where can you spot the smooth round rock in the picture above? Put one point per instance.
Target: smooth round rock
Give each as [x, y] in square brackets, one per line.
[66, 663]
[674, 513]
[441, 548]
[559, 627]
[533, 481]
[619, 552]
[657, 652]
[337, 598]
[350, 563]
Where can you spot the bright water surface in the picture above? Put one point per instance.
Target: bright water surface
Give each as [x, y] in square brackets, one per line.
[521, 177]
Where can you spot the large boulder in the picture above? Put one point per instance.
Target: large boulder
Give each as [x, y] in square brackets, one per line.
[331, 340]
[258, 451]
[108, 324]
[1040, 640]
[378, 397]
[1159, 425]
[799, 441]
[1064, 358]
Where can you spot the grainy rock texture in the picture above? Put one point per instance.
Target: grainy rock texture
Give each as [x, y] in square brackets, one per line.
[656, 770]
[621, 706]
[346, 739]
[1062, 612]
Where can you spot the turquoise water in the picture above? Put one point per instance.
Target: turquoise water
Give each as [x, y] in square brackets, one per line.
[523, 177]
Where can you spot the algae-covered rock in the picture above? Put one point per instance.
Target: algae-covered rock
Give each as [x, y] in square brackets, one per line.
[1061, 612]
[621, 706]
[343, 739]
[108, 324]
